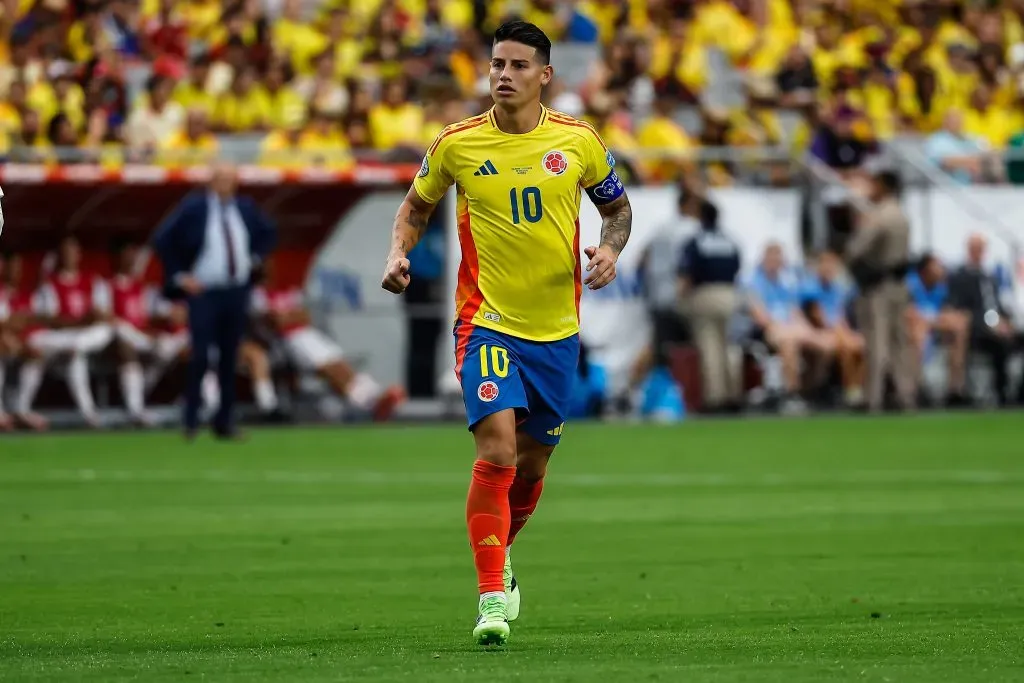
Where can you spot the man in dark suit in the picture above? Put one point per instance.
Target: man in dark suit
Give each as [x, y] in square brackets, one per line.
[974, 291]
[211, 247]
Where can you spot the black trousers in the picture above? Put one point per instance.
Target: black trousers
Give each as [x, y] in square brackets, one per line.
[216, 318]
[999, 349]
[669, 328]
[424, 328]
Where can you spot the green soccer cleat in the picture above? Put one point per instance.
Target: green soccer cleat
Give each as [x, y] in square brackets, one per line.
[511, 589]
[492, 624]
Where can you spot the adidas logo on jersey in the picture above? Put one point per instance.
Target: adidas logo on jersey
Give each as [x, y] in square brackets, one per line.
[487, 169]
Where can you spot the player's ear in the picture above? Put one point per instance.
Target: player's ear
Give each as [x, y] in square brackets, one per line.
[547, 75]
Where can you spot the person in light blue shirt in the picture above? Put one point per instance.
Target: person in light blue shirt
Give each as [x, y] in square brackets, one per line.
[931, 320]
[773, 294]
[959, 155]
[827, 296]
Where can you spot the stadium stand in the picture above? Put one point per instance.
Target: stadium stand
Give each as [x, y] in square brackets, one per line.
[805, 94]
[119, 81]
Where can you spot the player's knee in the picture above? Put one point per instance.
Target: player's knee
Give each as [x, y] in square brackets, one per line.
[496, 440]
[497, 450]
[532, 464]
[253, 359]
[337, 369]
[787, 346]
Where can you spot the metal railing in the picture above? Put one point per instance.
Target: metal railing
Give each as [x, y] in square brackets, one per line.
[939, 180]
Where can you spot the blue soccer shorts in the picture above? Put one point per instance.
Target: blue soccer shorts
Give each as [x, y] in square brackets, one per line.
[499, 371]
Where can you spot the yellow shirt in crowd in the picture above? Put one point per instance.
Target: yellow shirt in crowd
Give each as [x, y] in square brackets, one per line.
[181, 150]
[243, 112]
[392, 126]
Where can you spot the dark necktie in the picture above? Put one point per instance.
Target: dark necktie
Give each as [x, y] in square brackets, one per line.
[229, 242]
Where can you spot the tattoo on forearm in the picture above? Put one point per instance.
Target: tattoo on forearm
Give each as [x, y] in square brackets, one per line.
[617, 224]
[410, 223]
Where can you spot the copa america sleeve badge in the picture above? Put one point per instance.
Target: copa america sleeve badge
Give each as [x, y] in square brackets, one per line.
[424, 167]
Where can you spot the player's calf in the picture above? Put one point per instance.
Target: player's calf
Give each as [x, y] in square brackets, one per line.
[254, 358]
[531, 466]
[133, 382]
[6, 423]
[29, 379]
[361, 390]
[488, 516]
[81, 391]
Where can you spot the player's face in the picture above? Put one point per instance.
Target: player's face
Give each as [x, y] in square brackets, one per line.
[772, 261]
[14, 271]
[828, 267]
[70, 254]
[127, 259]
[516, 75]
[933, 272]
[224, 180]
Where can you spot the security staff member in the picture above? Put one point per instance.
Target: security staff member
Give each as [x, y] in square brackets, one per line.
[707, 280]
[658, 268]
[878, 255]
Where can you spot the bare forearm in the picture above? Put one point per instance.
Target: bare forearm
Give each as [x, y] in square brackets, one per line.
[410, 224]
[616, 224]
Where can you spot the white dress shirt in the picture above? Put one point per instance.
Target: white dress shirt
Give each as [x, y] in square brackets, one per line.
[211, 268]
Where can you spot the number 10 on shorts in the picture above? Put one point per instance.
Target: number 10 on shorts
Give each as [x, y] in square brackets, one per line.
[493, 358]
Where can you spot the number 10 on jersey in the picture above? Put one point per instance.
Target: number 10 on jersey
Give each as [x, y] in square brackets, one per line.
[497, 363]
[529, 199]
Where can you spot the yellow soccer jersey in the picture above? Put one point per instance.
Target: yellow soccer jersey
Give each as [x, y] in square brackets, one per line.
[518, 205]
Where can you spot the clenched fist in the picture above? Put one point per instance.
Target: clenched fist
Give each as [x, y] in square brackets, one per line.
[601, 266]
[396, 275]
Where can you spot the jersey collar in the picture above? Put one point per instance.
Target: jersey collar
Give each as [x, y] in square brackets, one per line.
[494, 122]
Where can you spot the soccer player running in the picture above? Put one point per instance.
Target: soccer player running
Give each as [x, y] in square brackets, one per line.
[519, 170]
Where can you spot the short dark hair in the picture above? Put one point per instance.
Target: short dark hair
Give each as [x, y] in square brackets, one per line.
[122, 243]
[528, 34]
[890, 182]
[925, 260]
[708, 215]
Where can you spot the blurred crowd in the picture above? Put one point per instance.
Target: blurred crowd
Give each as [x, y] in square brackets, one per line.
[327, 82]
[798, 332]
[959, 313]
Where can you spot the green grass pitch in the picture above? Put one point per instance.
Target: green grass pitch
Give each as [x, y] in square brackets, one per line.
[797, 551]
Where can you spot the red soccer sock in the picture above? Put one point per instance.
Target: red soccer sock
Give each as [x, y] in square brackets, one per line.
[522, 501]
[488, 519]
